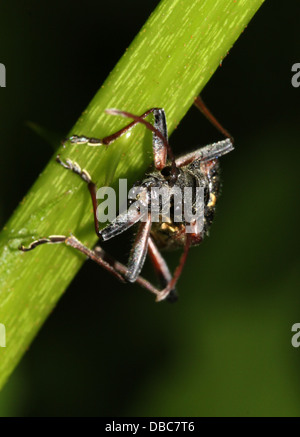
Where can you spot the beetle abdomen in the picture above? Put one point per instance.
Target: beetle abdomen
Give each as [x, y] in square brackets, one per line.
[171, 235]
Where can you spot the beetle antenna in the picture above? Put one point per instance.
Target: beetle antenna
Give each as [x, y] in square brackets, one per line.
[199, 103]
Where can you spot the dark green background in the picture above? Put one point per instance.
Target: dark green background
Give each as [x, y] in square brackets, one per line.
[225, 347]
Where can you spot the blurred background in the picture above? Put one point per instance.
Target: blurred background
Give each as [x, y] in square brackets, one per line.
[224, 349]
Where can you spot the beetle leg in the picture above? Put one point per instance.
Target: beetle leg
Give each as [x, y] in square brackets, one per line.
[73, 166]
[98, 255]
[159, 124]
[76, 244]
[139, 250]
[161, 269]
[160, 142]
[172, 283]
[121, 268]
[116, 268]
[120, 224]
[190, 237]
[89, 141]
[206, 153]
[52, 239]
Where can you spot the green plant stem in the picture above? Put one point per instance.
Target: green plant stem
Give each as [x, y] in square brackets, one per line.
[167, 65]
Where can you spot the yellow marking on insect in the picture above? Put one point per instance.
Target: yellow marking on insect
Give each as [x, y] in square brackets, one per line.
[167, 227]
[212, 200]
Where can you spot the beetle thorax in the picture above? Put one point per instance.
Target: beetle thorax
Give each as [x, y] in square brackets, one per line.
[168, 232]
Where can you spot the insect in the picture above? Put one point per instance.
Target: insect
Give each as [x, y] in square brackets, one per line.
[195, 169]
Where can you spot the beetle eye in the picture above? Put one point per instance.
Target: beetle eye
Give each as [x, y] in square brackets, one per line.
[166, 171]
